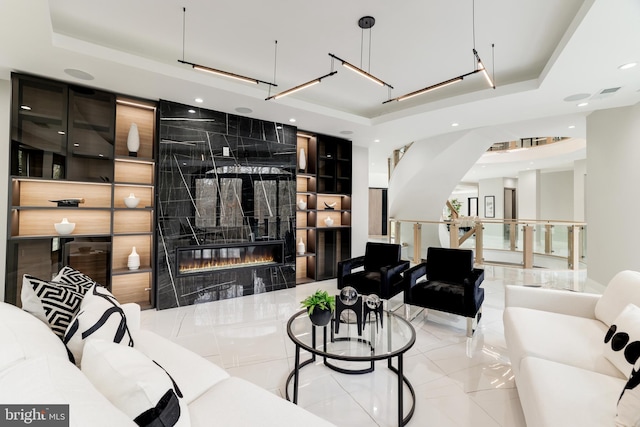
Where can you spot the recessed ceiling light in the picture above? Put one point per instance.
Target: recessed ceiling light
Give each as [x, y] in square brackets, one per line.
[76, 145]
[376, 140]
[244, 110]
[572, 127]
[25, 107]
[100, 155]
[79, 74]
[199, 100]
[60, 132]
[530, 163]
[292, 120]
[192, 111]
[346, 132]
[278, 127]
[628, 65]
[455, 124]
[583, 104]
[484, 166]
[577, 97]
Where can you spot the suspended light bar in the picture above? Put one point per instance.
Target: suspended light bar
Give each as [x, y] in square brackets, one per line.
[225, 73]
[483, 69]
[431, 88]
[300, 87]
[361, 72]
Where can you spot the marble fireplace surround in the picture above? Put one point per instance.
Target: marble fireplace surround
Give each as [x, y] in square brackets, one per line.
[222, 179]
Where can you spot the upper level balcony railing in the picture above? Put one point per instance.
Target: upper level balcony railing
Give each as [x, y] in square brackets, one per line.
[527, 243]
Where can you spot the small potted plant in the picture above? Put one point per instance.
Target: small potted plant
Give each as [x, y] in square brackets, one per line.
[320, 306]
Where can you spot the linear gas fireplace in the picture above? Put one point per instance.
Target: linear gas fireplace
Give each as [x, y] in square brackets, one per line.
[203, 259]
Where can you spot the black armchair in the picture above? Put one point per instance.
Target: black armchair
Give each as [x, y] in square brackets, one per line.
[381, 274]
[452, 284]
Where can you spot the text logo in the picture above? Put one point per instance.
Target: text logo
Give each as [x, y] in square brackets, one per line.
[34, 415]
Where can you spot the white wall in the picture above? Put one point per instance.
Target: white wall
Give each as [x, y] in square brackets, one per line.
[5, 138]
[491, 187]
[359, 201]
[556, 195]
[378, 180]
[613, 144]
[528, 194]
[579, 177]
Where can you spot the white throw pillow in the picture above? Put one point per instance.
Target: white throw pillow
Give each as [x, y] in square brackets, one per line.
[100, 316]
[622, 289]
[53, 303]
[135, 384]
[622, 341]
[628, 414]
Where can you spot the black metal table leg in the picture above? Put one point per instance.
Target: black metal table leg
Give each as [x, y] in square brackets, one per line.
[296, 375]
[400, 391]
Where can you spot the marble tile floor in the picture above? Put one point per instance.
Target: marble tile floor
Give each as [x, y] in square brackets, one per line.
[458, 381]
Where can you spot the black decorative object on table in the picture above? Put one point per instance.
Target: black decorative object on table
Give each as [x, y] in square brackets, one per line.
[373, 304]
[329, 207]
[345, 301]
[69, 203]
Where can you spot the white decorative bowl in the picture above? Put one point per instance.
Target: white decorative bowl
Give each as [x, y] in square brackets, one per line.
[64, 227]
[131, 202]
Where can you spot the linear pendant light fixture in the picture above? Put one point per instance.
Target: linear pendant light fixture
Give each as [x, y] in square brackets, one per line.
[365, 23]
[361, 72]
[479, 68]
[225, 73]
[300, 87]
[215, 70]
[483, 69]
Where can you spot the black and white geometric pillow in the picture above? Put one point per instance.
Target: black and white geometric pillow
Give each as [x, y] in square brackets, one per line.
[135, 384]
[100, 316]
[72, 276]
[56, 304]
[622, 340]
[629, 403]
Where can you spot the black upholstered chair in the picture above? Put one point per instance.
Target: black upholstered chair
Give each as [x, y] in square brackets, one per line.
[381, 274]
[450, 284]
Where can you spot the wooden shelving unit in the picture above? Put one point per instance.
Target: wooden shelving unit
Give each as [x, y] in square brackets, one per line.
[325, 187]
[81, 153]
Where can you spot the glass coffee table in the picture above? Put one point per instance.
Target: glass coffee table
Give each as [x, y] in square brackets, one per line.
[385, 340]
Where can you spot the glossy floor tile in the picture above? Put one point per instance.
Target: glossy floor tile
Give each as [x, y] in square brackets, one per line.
[458, 381]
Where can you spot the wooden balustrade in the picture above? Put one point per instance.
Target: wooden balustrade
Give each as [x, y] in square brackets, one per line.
[574, 242]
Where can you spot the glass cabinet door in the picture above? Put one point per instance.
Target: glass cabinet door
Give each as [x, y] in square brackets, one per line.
[39, 128]
[91, 135]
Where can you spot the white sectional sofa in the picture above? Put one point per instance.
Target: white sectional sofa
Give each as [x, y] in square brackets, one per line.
[35, 369]
[562, 365]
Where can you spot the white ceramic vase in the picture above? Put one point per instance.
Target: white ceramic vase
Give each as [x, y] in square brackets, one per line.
[302, 161]
[302, 205]
[133, 262]
[133, 140]
[328, 221]
[301, 248]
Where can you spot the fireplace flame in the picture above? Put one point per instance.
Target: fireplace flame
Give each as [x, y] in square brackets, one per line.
[197, 266]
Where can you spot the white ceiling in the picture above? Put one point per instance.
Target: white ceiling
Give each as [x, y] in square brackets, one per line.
[545, 51]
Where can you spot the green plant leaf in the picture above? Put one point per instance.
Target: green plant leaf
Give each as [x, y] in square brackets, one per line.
[320, 299]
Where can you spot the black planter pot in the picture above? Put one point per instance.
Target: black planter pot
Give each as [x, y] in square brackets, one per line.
[320, 317]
